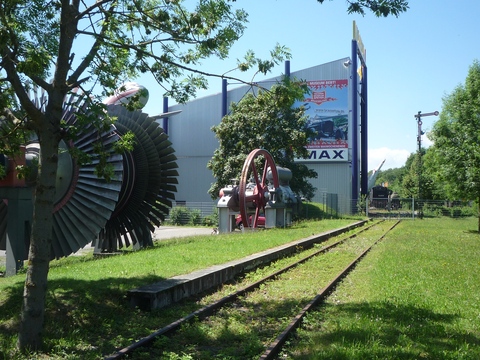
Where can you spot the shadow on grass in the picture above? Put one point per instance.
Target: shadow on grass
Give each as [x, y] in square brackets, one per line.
[381, 330]
[386, 330]
[81, 315]
[90, 319]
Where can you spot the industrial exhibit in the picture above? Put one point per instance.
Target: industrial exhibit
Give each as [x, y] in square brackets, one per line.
[336, 107]
[110, 214]
[152, 178]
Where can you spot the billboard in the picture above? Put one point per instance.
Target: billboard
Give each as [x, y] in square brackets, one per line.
[327, 109]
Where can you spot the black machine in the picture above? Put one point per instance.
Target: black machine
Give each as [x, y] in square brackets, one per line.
[381, 197]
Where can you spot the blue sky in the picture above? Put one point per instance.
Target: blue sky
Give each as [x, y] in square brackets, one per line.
[413, 60]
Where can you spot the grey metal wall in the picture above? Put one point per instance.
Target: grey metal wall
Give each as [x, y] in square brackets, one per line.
[333, 178]
[194, 142]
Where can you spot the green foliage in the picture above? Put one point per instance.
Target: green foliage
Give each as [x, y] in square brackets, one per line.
[453, 209]
[362, 204]
[404, 180]
[180, 215]
[455, 154]
[391, 177]
[264, 120]
[212, 220]
[378, 7]
[195, 217]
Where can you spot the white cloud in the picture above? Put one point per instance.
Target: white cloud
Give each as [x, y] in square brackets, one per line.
[394, 158]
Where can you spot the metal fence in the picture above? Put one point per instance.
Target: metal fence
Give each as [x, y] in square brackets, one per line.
[417, 208]
[334, 205]
[190, 212]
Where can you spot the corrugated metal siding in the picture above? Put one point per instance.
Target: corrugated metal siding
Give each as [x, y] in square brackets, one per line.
[332, 179]
[194, 179]
[329, 71]
[194, 142]
[190, 131]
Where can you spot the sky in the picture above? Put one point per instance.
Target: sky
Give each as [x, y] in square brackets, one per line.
[413, 61]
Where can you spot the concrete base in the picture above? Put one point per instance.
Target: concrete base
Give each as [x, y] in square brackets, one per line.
[169, 291]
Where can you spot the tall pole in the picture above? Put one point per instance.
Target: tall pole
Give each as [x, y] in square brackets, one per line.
[420, 132]
[354, 131]
[419, 153]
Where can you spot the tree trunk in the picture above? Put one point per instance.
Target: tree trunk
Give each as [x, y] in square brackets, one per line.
[35, 290]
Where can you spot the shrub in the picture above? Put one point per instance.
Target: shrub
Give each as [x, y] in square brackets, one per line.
[180, 215]
[195, 217]
[211, 220]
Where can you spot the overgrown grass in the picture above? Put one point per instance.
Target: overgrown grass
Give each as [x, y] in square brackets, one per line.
[416, 296]
[242, 329]
[87, 311]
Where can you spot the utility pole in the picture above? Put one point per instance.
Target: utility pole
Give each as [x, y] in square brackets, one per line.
[419, 116]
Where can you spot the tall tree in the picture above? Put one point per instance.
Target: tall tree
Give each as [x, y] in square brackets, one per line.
[455, 154]
[114, 42]
[266, 120]
[61, 45]
[424, 188]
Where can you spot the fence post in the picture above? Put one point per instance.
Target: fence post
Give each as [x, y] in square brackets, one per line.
[413, 208]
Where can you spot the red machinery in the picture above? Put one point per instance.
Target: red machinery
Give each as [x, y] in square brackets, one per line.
[263, 190]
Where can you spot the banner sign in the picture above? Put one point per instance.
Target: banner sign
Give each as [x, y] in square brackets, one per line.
[327, 110]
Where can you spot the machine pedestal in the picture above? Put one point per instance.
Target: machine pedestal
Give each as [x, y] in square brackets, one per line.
[19, 218]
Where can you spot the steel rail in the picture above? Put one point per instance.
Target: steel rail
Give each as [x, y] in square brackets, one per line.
[208, 310]
[275, 347]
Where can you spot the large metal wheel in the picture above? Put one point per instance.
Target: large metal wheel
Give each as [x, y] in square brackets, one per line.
[114, 213]
[84, 202]
[148, 186]
[254, 187]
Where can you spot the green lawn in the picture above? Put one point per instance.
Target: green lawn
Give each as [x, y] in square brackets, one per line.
[87, 311]
[416, 296]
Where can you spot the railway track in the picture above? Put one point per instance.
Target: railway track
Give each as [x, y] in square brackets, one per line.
[350, 248]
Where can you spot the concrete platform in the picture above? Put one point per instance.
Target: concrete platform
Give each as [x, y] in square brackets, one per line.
[169, 291]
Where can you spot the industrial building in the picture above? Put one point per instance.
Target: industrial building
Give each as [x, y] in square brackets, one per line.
[337, 110]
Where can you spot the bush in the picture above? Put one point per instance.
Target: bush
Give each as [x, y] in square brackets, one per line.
[195, 217]
[180, 215]
[211, 220]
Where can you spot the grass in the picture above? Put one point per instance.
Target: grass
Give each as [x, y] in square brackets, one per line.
[241, 330]
[87, 310]
[417, 296]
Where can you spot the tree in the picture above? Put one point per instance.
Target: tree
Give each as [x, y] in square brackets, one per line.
[455, 154]
[392, 178]
[378, 7]
[265, 120]
[429, 189]
[62, 45]
[118, 41]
